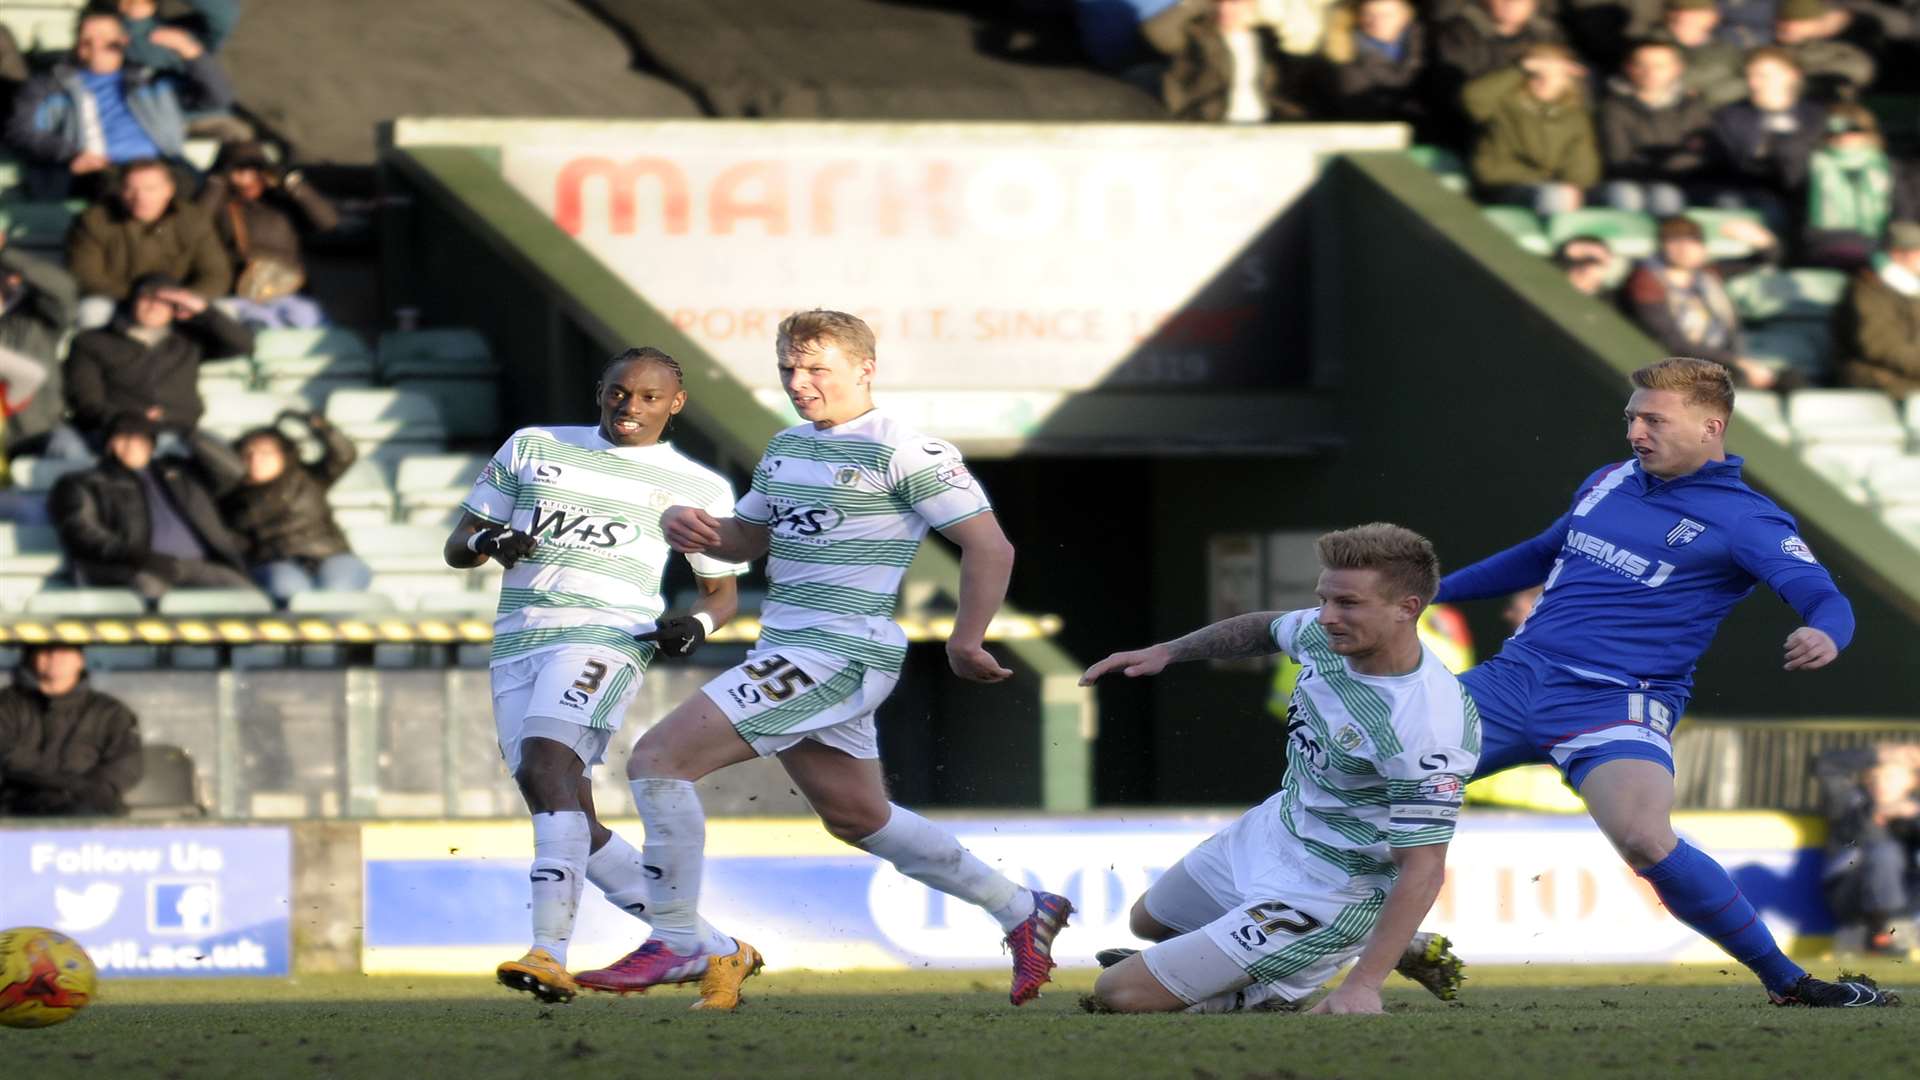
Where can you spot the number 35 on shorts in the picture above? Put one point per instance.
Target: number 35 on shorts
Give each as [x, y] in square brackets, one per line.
[771, 681]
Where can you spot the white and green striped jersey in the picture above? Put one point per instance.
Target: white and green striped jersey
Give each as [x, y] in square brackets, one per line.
[595, 508]
[1374, 762]
[846, 508]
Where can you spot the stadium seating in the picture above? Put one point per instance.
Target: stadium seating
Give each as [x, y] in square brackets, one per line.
[1764, 295]
[1763, 410]
[1444, 164]
[1629, 234]
[455, 368]
[1844, 416]
[1911, 413]
[1894, 481]
[361, 496]
[40, 474]
[85, 602]
[230, 413]
[1521, 224]
[1847, 464]
[29, 550]
[432, 486]
[1905, 520]
[40, 225]
[166, 787]
[42, 26]
[387, 424]
[215, 602]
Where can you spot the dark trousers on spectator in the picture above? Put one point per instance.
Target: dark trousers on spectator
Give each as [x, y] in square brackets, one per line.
[1870, 882]
[189, 574]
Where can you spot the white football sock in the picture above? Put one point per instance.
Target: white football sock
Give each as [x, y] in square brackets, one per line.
[930, 855]
[676, 845]
[618, 871]
[560, 843]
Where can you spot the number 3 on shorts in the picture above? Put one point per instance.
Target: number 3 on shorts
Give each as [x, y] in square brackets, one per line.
[583, 687]
[777, 677]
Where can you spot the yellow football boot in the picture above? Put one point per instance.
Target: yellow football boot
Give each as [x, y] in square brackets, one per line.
[720, 986]
[539, 974]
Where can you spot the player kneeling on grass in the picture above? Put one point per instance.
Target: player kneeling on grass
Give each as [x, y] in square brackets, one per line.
[569, 512]
[1348, 856]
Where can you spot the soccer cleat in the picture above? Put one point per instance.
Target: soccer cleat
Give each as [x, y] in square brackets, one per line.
[1032, 945]
[1849, 992]
[1429, 961]
[1109, 957]
[652, 964]
[539, 974]
[720, 986]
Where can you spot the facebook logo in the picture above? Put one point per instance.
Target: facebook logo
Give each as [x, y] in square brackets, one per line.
[183, 906]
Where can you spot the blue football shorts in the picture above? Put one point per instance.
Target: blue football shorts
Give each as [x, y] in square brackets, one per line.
[1533, 710]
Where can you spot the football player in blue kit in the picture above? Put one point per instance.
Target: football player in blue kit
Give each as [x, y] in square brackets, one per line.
[1639, 572]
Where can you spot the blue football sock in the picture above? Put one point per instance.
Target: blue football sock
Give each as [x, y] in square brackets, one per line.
[1699, 893]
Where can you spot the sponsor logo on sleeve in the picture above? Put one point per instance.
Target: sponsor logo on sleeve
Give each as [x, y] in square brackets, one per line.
[955, 475]
[1798, 548]
[1441, 787]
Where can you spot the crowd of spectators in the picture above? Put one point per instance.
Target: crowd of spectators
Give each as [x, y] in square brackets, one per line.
[165, 268]
[1871, 797]
[1645, 106]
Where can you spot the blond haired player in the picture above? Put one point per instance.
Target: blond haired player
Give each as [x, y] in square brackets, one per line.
[840, 502]
[1348, 856]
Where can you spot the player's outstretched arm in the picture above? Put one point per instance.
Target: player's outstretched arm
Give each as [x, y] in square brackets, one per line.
[475, 540]
[692, 531]
[986, 565]
[1229, 639]
[1422, 869]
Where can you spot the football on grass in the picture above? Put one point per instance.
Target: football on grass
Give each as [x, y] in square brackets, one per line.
[45, 977]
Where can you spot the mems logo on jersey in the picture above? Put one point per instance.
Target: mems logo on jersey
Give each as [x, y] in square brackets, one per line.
[572, 526]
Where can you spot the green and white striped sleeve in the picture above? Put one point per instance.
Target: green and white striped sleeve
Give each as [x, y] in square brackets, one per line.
[497, 488]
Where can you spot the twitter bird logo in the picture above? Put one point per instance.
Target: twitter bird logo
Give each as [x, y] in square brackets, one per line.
[86, 910]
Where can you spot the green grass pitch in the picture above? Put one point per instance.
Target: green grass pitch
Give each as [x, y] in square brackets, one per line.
[1556, 1023]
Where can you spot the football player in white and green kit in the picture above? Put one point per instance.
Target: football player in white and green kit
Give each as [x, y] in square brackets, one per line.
[1348, 856]
[573, 513]
[841, 502]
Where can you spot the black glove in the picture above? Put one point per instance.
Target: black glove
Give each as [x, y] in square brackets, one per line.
[676, 635]
[502, 545]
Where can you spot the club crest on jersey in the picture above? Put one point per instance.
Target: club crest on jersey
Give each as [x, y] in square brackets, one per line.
[1798, 548]
[1347, 738]
[846, 476]
[1685, 533]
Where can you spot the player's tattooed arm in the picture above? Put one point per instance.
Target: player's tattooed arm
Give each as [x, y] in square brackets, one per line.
[1228, 639]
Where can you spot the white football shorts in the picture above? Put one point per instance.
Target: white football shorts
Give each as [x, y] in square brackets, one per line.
[574, 695]
[782, 696]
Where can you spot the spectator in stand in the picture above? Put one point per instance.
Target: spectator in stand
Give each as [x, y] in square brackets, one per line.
[280, 510]
[1678, 297]
[13, 70]
[1877, 326]
[1536, 144]
[1853, 191]
[1374, 64]
[148, 360]
[1809, 31]
[262, 215]
[1488, 36]
[145, 230]
[1715, 68]
[1520, 606]
[1228, 67]
[164, 44]
[1747, 24]
[1653, 133]
[1761, 145]
[36, 310]
[152, 523]
[1871, 797]
[1587, 262]
[81, 118]
[65, 748]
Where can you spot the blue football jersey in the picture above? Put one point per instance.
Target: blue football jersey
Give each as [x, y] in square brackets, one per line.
[1640, 571]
